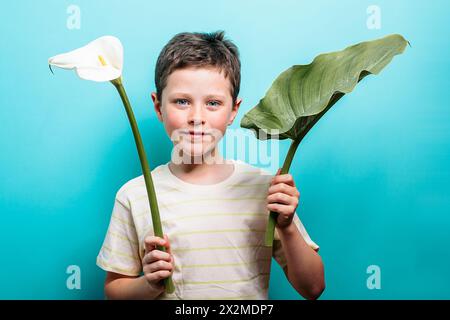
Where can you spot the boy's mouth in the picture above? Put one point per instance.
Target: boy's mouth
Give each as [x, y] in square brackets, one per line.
[196, 133]
[193, 136]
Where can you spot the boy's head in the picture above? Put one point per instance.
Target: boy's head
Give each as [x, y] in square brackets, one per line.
[197, 81]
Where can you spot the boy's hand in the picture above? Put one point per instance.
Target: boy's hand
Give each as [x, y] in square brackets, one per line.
[283, 197]
[156, 264]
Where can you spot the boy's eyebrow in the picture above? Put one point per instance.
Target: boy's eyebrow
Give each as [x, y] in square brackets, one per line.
[209, 96]
[179, 94]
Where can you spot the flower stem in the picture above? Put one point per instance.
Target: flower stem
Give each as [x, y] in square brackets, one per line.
[157, 228]
[268, 241]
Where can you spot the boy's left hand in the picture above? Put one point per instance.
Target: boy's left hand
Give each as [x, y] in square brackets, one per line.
[283, 198]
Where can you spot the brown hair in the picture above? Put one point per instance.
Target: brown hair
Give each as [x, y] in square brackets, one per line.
[200, 50]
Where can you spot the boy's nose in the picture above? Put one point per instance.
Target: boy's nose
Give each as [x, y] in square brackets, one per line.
[196, 116]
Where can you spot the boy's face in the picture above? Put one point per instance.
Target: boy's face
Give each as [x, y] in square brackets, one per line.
[196, 107]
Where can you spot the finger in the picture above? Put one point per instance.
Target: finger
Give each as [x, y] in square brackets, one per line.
[284, 178]
[284, 188]
[155, 255]
[167, 245]
[280, 208]
[152, 241]
[282, 199]
[276, 174]
[158, 265]
[157, 276]
[169, 250]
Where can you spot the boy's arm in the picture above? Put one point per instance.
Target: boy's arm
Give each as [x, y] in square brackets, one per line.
[122, 287]
[304, 268]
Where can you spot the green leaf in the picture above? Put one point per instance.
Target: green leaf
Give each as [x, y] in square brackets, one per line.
[300, 95]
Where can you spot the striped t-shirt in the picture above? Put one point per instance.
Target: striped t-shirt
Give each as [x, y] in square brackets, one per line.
[216, 233]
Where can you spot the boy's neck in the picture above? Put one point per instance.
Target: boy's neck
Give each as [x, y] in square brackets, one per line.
[211, 170]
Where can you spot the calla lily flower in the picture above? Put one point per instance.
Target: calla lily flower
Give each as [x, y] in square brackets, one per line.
[100, 60]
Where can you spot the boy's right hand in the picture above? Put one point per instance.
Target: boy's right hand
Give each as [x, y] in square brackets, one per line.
[156, 264]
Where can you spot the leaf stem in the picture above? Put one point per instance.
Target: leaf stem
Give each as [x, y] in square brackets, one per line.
[157, 227]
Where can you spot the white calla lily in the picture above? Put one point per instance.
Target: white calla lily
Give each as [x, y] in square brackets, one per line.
[100, 60]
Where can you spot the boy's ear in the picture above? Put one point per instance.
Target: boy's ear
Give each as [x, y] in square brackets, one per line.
[157, 106]
[234, 111]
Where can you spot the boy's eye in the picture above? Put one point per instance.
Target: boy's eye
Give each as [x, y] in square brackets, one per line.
[214, 103]
[181, 101]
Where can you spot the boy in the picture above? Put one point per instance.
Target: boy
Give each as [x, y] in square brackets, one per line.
[214, 211]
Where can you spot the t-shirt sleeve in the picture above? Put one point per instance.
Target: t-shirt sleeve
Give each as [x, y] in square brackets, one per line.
[278, 252]
[120, 251]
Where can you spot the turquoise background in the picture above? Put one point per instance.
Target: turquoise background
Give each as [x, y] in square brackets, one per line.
[373, 174]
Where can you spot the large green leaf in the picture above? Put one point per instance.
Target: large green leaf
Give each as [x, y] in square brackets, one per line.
[300, 95]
